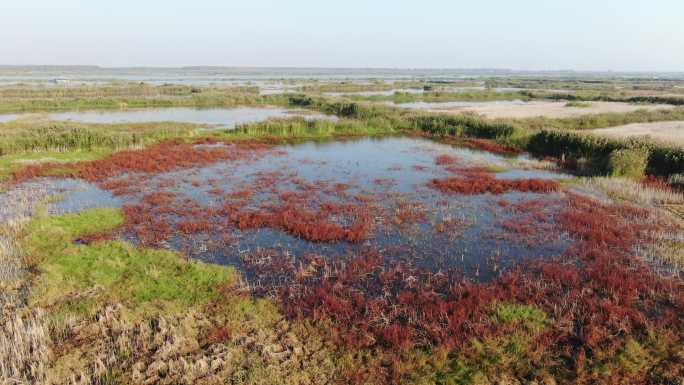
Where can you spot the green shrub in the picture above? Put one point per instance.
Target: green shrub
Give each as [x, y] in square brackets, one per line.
[628, 162]
[596, 150]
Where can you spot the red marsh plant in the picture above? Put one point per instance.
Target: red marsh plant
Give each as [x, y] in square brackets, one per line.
[155, 159]
[481, 183]
[491, 146]
[479, 180]
[598, 301]
[442, 160]
[310, 218]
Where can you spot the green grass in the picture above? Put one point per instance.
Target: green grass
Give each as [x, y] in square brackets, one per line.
[10, 163]
[578, 104]
[405, 97]
[300, 128]
[511, 352]
[25, 136]
[146, 280]
[29, 141]
[119, 89]
[127, 96]
[603, 120]
[529, 317]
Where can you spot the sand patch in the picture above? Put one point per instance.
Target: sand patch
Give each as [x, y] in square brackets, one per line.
[548, 109]
[664, 132]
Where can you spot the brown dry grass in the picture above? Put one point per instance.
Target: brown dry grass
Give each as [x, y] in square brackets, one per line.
[24, 338]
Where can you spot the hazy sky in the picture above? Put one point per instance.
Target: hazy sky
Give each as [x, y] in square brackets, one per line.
[517, 34]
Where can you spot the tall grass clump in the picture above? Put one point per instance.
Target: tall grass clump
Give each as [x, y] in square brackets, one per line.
[591, 153]
[677, 181]
[628, 162]
[24, 348]
[299, 127]
[466, 125]
[344, 109]
[38, 136]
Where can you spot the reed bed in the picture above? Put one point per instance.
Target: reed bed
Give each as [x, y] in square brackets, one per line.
[633, 191]
[107, 99]
[24, 338]
[26, 136]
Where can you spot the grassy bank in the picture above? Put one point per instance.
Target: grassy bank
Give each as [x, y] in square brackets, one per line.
[23, 140]
[300, 128]
[587, 97]
[23, 136]
[596, 85]
[199, 101]
[122, 90]
[434, 97]
[604, 120]
[319, 87]
[103, 311]
[588, 153]
[128, 95]
[146, 280]
[30, 141]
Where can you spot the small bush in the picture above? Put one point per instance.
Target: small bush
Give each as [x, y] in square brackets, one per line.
[578, 104]
[628, 162]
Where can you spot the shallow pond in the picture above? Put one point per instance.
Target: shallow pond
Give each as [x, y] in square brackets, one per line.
[9, 117]
[215, 117]
[385, 181]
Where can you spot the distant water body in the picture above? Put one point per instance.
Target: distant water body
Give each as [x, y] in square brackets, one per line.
[66, 75]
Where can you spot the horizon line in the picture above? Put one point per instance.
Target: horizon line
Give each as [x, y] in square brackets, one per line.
[379, 68]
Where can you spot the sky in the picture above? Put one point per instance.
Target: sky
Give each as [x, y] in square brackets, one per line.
[619, 35]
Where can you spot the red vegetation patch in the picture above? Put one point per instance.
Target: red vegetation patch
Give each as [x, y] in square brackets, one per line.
[532, 222]
[408, 213]
[658, 183]
[166, 157]
[385, 181]
[597, 296]
[445, 160]
[354, 222]
[491, 146]
[477, 181]
[155, 159]
[451, 225]
[98, 237]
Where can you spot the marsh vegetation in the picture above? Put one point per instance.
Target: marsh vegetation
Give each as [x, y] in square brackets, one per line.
[385, 246]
